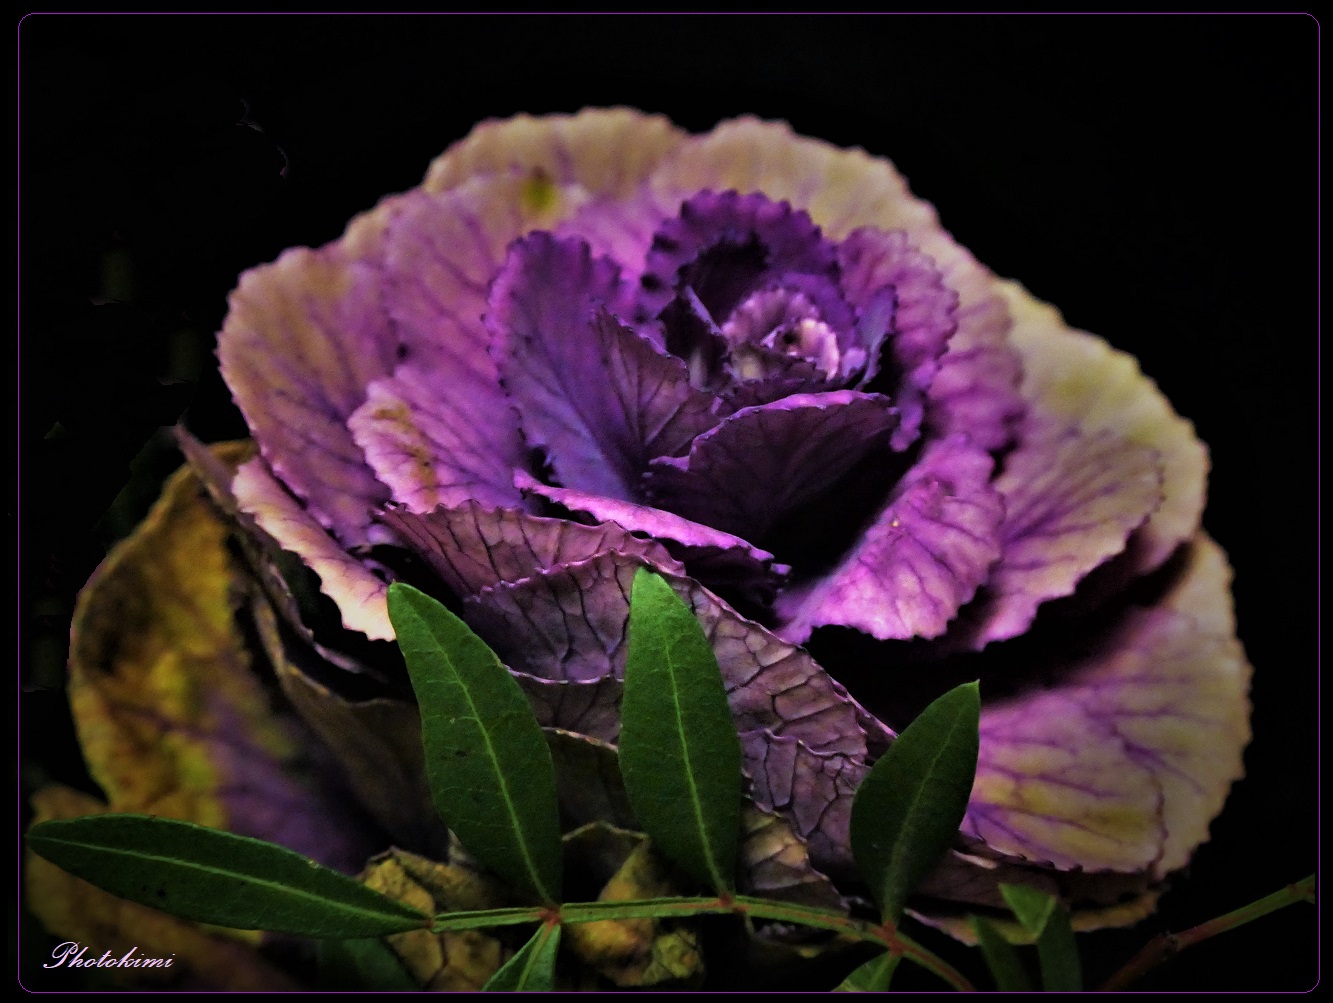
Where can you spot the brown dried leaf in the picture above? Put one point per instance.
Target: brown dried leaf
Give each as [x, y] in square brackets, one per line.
[450, 961]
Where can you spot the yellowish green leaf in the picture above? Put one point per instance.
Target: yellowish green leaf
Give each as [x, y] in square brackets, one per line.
[171, 718]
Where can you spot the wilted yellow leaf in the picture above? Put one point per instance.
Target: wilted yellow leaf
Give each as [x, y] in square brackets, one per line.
[167, 710]
[631, 952]
[454, 960]
[173, 722]
[171, 718]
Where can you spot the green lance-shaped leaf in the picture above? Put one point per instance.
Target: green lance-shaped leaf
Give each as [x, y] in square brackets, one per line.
[1001, 958]
[679, 752]
[872, 977]
[532, 969]
[218, 877]
[360, 964]
[1044, 918]
[487, 761]
[908, 808]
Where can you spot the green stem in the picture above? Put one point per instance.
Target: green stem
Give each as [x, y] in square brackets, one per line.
[1168, 945]
[887, 934]
[754, 908]
[612, 909]
[477, 918]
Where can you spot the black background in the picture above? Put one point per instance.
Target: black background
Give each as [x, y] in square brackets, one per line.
[1154, 176]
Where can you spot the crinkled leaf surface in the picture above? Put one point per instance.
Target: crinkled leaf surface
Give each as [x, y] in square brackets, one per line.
[883, 273]
[589, 707]
[452, 960]
[1076, 380]
[762, 463]
[302, 339]
[489, 768]
[811, 788]
[1070, 502]
[679, 752]
[804, 738]
[601, 400]
[472, 547]
[908, 808]
[710, 554]
[217, 877]
[772, 860]
[570, 623]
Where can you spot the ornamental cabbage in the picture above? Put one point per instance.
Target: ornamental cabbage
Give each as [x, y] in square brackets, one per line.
[757, 364]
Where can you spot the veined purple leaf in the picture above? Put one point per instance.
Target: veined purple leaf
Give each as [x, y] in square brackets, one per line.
[358, 592]
[441, 254]
[1071, 502]
[569, 623]
[1075, 380]
[726, 246]
[923, 557]
[710, 554]
[600, 400]
[303, 338]
[975, 394]
[919, 326]
[426, 447]
[813, 790]
[472, 547]
[1121, 766]
[762, 463]
[590, 707]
